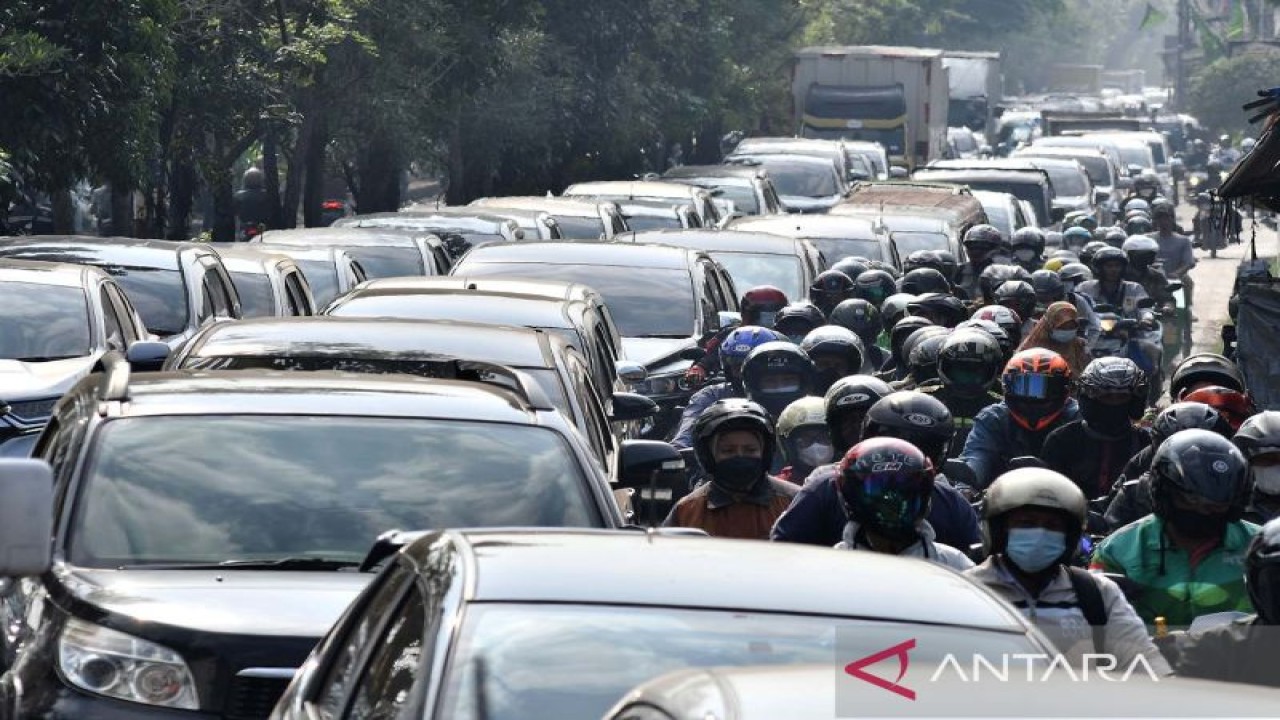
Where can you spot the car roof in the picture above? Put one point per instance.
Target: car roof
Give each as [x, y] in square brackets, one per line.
[745, 172]
[667, 570]
[717, 240]
[961, 176]
[759, 158]
[343, 235]
[246, 257]
[806, 225]
[632, 189]
[265, 392]
[568, 207]
[991, 197]
[461, 305]
[429, 221]
[533, 289]
[45, 273]
[162, 254]
[380, 338]
[1064, 151]
[582, 253]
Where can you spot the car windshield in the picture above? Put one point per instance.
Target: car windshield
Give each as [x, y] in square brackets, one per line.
[288, 486]
[256, 296]
[530, 662]
[158, 295]
[43, 322]
[322, 276]
[835, 248]
[1066, 181]
[1031, 192]
[743, 197]
[389, 261]
[750, 270]
[580, 228]
[909, 242]
[997, 214]
[1136, 155]
[640, 223]
[800, 179]
[1097, 167]
[644, 302]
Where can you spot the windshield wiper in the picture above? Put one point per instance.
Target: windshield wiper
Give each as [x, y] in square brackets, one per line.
[291, 563]
[664, 336]
[46, 358]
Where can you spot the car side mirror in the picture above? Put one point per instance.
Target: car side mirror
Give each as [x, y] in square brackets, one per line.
[26, 517]
[898, 173]
[632, 372]
[656, 471]
[1058, 214]
[726, 319]
[147, 355]
[632, 406]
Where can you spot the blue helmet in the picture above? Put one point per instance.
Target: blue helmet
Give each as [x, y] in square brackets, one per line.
[739, 343]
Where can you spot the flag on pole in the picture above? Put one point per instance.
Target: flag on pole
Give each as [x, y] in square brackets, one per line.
[1239, 21]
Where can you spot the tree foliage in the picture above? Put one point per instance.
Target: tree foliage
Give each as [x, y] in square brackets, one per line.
[1219, 91]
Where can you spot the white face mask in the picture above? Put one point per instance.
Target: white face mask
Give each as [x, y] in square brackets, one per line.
[1267, 479]
[1025, 254]
[816, 454]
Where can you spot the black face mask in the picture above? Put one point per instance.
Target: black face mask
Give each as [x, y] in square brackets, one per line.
[1196, 525]
[1106, 420]
[1264, 590]
[739, 473]
[826, 378]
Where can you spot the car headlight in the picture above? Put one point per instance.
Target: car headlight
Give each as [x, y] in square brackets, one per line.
[111, 663]
[670, 384]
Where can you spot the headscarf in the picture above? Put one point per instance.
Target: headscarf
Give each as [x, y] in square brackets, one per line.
[1057, 314]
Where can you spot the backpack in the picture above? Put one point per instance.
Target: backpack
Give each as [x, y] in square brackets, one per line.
[1089, 597]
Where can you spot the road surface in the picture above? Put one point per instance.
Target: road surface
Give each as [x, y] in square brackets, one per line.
[1214, 278]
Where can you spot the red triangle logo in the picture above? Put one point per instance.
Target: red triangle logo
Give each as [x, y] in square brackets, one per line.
[900, 650]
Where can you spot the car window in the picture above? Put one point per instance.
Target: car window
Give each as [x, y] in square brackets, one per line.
[297, 284]
[124, 311]
[322, 277]
[113, 328]
[382, 689]
[40, 322]
[750, 270]
[595, 425]
[257, 297]
[380, 262]
[159, 295]
[225, 297]
[834, 249]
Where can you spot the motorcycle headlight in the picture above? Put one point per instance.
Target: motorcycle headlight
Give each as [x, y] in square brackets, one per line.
[670, 384]
[1194, 182]
[111, 663]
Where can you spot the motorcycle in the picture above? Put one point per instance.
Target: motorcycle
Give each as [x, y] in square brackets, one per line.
[1128, 338]
[1175, 329]
[1214, 224]
[251, 230]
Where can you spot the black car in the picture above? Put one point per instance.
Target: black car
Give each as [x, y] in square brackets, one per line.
[380, 252]
[665, 300]
[748, 187]
[175, 286]
[425, 348]
[269, 284]
[57, 322]
[208, 526]
[528, 624]
[330, 271]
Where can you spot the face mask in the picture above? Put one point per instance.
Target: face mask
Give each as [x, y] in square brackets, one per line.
[1025, 254]
[1109, 420]
[816, 455]
[1266, 480]
[1196, 525]
[1034, 549]
[738, 473]
[1063, 336]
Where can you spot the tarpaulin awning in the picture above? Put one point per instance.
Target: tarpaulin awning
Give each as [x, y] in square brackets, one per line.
[1258, 343]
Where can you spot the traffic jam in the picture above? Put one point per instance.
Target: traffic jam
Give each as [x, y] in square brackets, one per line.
[908, 414]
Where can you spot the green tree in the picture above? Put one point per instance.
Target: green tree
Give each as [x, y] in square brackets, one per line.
[1219, 91]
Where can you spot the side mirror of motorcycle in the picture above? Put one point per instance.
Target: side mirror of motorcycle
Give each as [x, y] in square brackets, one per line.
[1146, 303]
[1174, 287]
[959, 473]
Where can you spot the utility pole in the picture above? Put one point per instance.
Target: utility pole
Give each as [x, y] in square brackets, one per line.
[1184, 39]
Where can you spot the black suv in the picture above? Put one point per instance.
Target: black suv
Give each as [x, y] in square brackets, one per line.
[208, 527]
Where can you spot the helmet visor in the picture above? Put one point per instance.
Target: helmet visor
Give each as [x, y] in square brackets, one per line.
[967, 374]
[891, 501]
[1036, 386]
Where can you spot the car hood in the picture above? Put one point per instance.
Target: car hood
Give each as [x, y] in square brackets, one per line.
[802, 204]
[229, 602]
[656, 353]
[35, 380]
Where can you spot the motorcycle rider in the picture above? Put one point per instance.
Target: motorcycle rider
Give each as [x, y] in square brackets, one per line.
[996, 275]
[924, 280]
[1075, 238]
[886, 485]
[1176, 256]
[1234, 406]
[1005, 318]
[1061, 331]
[1037, 401]
[777, 374]
[862, 319]
[1203, 370]
[1020, 297]
[803, 438]
[1032, 522]
[817, 515]
[894, 308]
[981, 243]
[922, 363]
[896, 367]
[1092, 451]
[1259, 441]
[798, 319]
[733, 352]
[1145, 187]
[829, 289]
[1142, 253]
[968, 364]
[1110, 288]
[759, 307]
[1051, 287]
[835, 351]
[1244, 650]
[874, 286]
[1027, 245]
[1185, 557]
[251, 204]
[735, 445]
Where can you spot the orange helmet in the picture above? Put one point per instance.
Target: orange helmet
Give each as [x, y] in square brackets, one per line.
[1037, 384]
[1235, 407]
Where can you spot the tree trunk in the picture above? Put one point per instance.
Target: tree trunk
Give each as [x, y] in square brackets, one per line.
[64, 216]
[121, 210]
[456, 192]
[379, 170]
[224, 210]
[182, 186]
[271, 173]
[314, 160]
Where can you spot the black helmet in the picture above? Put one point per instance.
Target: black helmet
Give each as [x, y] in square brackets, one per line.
[1140, 225]
[1162, 206]
[253, 179]
[1018, 296]
[1112, 376]
[849, 399]
[923, 280]
[1187, 416]
[1202, 468]
[993, 276]
[859, 317]
[949, 266]
[997, 333]
[942, 308]
[1147, 183]
[920, 419]
[982, 240]
[970, 360]
[902, 330]
[886, 485]
[923, 360]
[1205, 368]
[850, 266]
[727, 415]
[1087, 252]
[833, 341]
[1074, 274]
[918, 336]
[894, 308]
[1030, 240]
[761, 304]
[799, 319]
[829, 289]
[1048, 287]
[885, 266]
[921, 259]
[1259, 435]
[874, 286]
[1108, 255]
[771, 360]
[1262, 572]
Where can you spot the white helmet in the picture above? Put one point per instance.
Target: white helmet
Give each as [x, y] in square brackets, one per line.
[1031, 487]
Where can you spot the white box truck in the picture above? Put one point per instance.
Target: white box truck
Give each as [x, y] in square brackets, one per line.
[976, 88]
[896, 96]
